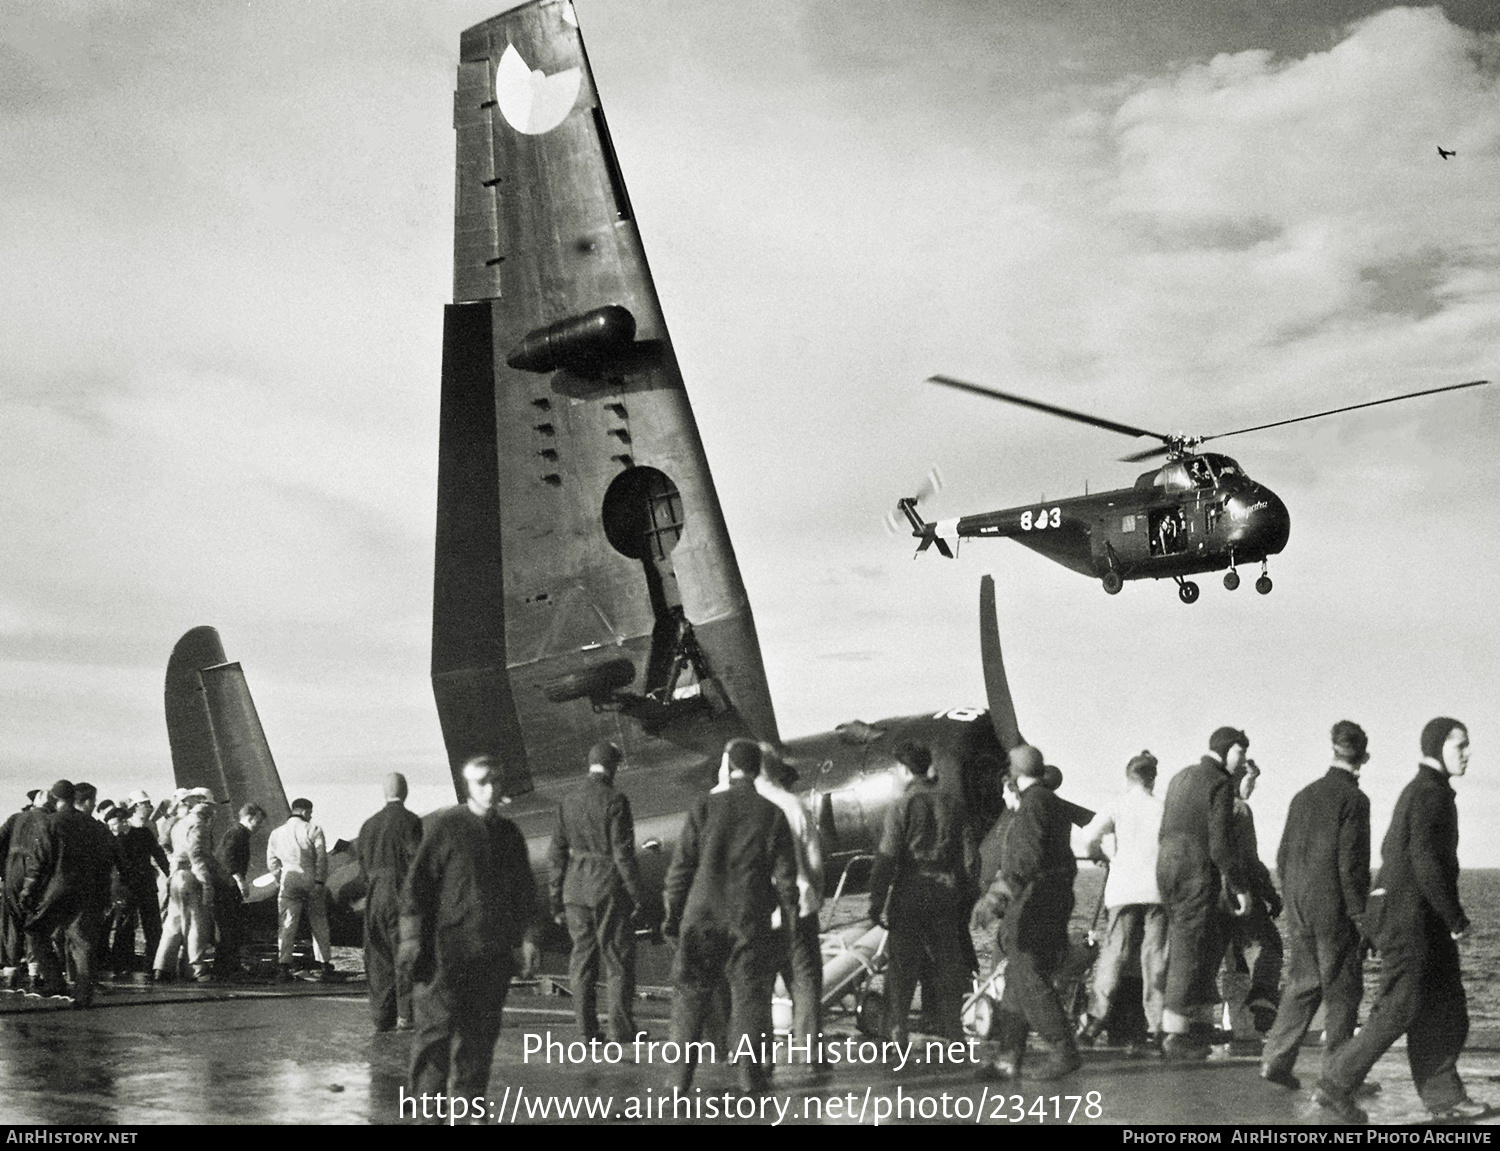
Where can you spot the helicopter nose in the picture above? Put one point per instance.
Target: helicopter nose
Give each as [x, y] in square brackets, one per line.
[1260, 521]
[1270, 523]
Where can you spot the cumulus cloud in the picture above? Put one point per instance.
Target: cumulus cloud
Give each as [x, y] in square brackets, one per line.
[227, 237]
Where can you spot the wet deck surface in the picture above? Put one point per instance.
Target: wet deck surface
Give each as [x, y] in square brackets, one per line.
[306, 1054]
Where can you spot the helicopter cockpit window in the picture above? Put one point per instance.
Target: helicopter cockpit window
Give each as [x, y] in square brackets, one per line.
[1173, 478]
[1201, 472]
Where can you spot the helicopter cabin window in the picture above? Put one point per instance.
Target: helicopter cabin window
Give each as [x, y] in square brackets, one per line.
[1213, 513]
[1201, 472]
[1173, 478]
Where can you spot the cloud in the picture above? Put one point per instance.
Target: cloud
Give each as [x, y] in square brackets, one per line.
[228, 231]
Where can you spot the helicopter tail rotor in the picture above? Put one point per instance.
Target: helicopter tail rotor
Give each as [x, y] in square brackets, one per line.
[931, 534]
[907, 508]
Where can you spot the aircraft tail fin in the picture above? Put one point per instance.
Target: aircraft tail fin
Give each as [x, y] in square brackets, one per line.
[585, 585]
[996, 685]
[215, 734]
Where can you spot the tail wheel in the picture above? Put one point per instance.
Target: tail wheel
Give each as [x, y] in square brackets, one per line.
[1113, 582]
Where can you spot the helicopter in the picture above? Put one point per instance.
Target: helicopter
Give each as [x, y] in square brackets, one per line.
[1197, 512]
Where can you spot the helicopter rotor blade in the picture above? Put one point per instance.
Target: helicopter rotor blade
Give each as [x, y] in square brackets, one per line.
[1148, 454]
[1050, 409]
[931, 484]
[1349, 408]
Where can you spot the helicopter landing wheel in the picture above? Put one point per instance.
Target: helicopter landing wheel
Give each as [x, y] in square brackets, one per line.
[1113, 582]
[1187, 591]
[1263, 585]
[1231, 580]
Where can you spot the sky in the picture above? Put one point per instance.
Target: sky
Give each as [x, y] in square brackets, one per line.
[227, 231]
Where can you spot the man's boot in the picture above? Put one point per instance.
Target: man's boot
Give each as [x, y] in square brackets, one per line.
[1089, 1033]
[1191, 1046]
[1062, 1059]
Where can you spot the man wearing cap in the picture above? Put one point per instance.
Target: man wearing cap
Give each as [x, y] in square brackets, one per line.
[232, 889]
[388, 842]
[1127, 835]
[801, 968]
[1032, 895]
[61, 895]
[922, 890]
[1414, 919]
[596, 893]
[18, 838]
[1324, 864]
[734, 866]
[1198, 872]
[297, 855]
[190, 891]
[468, 923]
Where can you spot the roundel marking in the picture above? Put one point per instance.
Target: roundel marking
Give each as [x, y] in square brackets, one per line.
[531, 102]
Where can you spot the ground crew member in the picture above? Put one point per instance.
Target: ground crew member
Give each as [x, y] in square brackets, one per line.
[66, 894]
[734, 866]
[468, 907]
[1032, 896]
[190, 891]
[801, 968]
[388, 842]
[18, 839]
[93, 911]
[1416, 925]
[1196, 869]
[1128, 835]
[596, 894]
[1252, 965]
[297, 854]
[140, 852]
[1324, 864]
[922, 889]
[232, 889]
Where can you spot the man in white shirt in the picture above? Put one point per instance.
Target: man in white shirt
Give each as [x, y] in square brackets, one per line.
[802, 967]
[1127, 835]
[297, 855]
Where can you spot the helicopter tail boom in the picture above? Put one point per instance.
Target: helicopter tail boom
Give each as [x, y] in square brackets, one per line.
[929, 533]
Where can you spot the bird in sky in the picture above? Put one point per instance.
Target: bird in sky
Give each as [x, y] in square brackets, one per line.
[1445, 153]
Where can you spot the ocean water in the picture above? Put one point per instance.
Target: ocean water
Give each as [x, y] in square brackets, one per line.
[1479, 952]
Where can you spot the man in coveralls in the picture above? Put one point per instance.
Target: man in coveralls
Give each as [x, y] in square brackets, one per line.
[596, 893]
[735, 865]
[1414, 919]
[1324, 864]
[922, 889]
[66, 893]
[18, 839]
[1198, 871]
[468, 923]
[1252, 965]
[388, 842]
[1034, 893]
